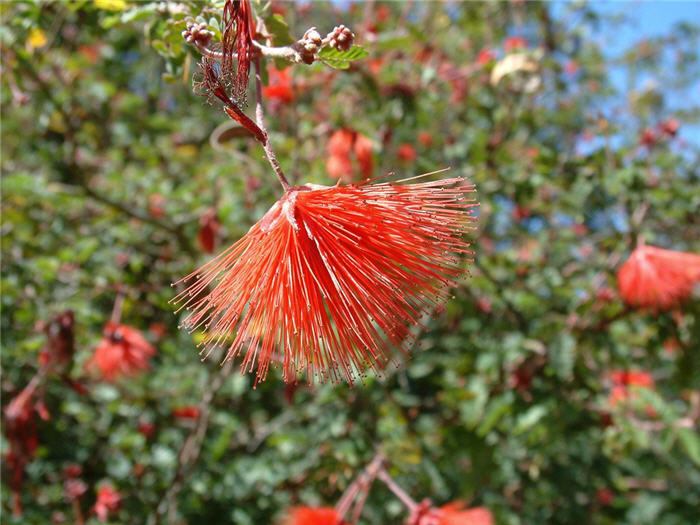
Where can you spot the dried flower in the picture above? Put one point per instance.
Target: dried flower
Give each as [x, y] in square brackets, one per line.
[122, 351]
[60, 344]
[312, 516]
[656, 278]
[208, 233]
[330, 275]
[237, 45]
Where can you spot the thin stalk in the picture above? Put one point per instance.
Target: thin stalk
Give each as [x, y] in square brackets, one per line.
[398, 491]
[259, 117]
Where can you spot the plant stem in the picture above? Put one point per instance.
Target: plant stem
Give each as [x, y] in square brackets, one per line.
[360, 485]
[398, 491]
[259, 117]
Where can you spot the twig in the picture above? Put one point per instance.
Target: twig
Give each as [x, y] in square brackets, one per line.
[259, 117]
[191, 448]
[398, 491]
[360, 485]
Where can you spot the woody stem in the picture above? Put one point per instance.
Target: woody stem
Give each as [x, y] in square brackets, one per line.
[259, 117]
[398, 491]
[360, 485]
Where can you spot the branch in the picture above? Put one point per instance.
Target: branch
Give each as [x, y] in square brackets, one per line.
[191, 448]
[259, 117]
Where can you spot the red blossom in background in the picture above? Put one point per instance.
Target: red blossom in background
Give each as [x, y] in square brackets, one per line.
[451, 514]
[514, 42]
[19, 426]
[605, 496]
[330, 275]
[407, 153]
[456, 514]
[155, 205]
[622, 381]
[187, 412]
[312, 516]
[425, 138]
[669, 127]
[147, 429]
[486, 56]
[108, 502]
[208, 233]
[60, 344]
[648, 137]
[656, 278]
[571, 67]
[343, 146]
[280, 86]
[123, 351]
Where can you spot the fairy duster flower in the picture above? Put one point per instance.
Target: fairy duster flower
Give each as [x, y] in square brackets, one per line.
[656, 278]
[312, 516]
[122, 351]
[332, 277]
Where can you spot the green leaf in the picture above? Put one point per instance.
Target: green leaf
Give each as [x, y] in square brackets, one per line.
[561, 354]
[691, 443]
[279, 30]
[341, 59]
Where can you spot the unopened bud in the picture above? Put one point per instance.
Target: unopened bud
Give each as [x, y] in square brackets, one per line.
[341, 38]
[311, 40]
[197, 33]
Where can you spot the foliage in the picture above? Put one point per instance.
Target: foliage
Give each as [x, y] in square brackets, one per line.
[108, 167]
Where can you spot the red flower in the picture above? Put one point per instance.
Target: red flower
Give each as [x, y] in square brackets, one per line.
[209, 227]
[407, 153]
[622, 380]
[657, 278]
[279, 86]
[60, 345]
[188, 412]
[341, 146]
[73, 488]
[624, 377]
[486, 55]
[455, 514]
[19, 426]
[155, 205]
[122, 351]
[669, 127]
[605, 496]
[330, 275]
[648, 137]
[108, 502]
[312, 516]
[363, 152]
[605, 294]
[571, 67]
[147, 429]
[425, 138]
[514, 42]
[451, 514]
